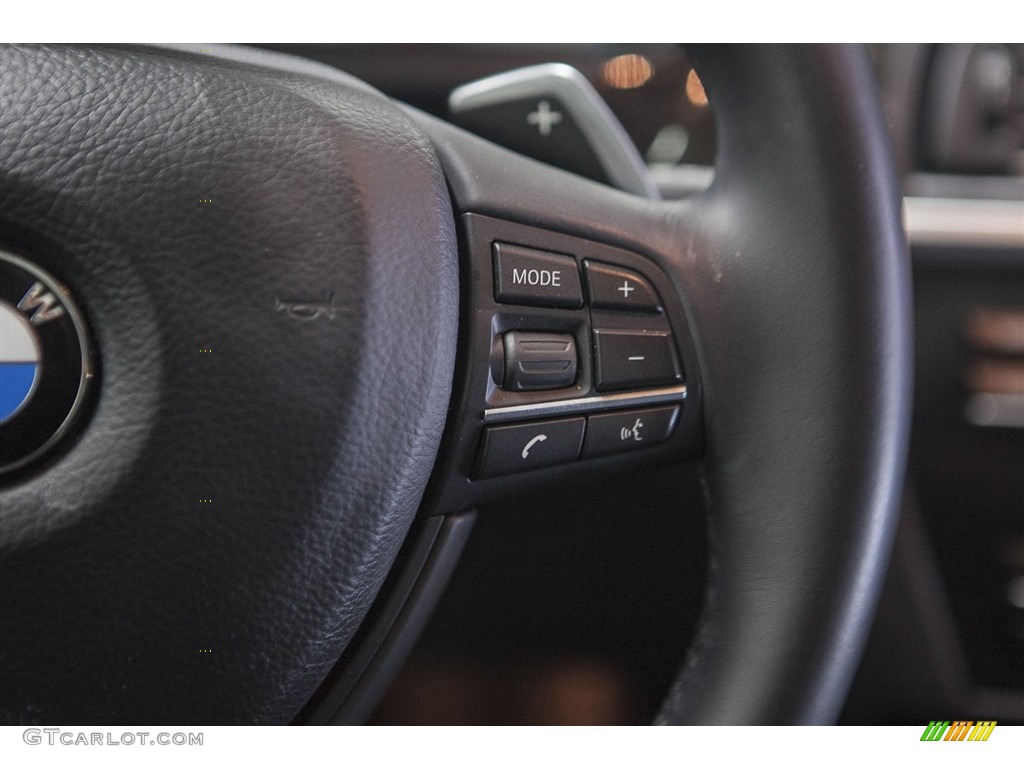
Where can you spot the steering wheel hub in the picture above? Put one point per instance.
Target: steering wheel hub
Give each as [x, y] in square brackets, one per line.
[269, 265]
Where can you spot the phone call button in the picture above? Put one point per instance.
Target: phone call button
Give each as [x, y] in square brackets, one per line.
[520, 447]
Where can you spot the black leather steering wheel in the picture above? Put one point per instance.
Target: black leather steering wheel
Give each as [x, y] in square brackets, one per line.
[266, 253]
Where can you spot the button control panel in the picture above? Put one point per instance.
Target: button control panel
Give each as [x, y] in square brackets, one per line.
[576, 358]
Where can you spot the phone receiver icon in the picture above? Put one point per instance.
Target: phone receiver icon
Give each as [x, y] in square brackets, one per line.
[529, 445]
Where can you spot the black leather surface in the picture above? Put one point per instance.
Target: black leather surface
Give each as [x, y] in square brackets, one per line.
[794, 274]
[126, 598]
[806, 327]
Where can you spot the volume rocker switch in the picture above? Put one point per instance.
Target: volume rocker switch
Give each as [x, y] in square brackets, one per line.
[538, 361]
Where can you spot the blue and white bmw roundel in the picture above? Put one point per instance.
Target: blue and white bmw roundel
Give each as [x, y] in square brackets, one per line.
[46, 367]
[19, 360]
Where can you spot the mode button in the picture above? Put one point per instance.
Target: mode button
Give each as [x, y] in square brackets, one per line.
[528, 276]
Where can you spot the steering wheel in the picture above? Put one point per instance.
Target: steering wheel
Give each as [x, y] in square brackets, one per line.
[265, 255]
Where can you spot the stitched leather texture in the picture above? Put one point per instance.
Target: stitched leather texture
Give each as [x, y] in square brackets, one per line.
[267, 261]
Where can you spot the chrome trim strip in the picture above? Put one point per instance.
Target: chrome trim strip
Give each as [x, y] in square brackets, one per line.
[954, 221]
[585, 404]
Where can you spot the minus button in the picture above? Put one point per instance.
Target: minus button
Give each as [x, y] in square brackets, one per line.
[632, 359]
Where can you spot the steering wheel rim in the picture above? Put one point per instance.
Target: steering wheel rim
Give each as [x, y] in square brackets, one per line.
[805, 450]
[837, 473]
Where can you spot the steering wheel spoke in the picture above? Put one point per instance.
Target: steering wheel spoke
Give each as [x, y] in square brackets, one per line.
[791, 311]
[533, 282]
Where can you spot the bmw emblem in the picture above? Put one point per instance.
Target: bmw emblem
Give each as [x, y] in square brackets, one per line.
[45, 362]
